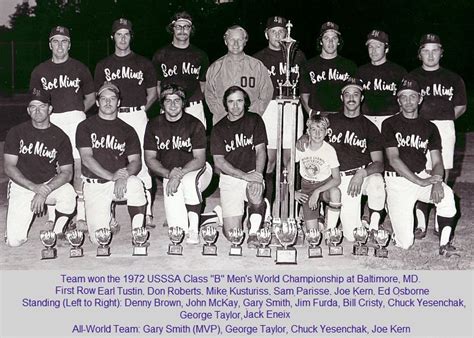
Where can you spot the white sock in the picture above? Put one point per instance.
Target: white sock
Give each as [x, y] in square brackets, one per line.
[374, 221]
[149, 212]
[255, 221]
[444, 238]
[421, 220]
[51, 212]
[81, 211]
[193, 219]
[138, 221]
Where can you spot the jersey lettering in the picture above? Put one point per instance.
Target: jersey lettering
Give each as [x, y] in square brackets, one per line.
[381, 85]
[247, 82]
[124, 73]
[412, 141]
[63, 82]
[189, 68]
[350, 138]
[107, 142]
[240, 141]
[39, 149]
[438, 90]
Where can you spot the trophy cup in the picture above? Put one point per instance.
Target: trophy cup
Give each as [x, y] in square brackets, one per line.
[287, 88]
[139, 239]
[48, 238]
[209, 235]
[75, 238]
[381, 237]
[360, 235]
[176, 235]
[236, 237]
[286, 235]
[103, 236]
[264, 236]
[314, 236]
[335, 238]
[275, 224]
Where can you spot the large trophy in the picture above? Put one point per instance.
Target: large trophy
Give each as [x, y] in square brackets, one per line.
[139, 239]
[381, 237]
[48, 238]
[236, 236]
[334, 241]
[314, 236]
[264, 236]
[103, 236]
[360, 236]
[286, 235]
[76, 239]
[209, 235]
[176, 235]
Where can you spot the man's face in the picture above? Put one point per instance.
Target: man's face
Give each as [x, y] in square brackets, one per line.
[317, 132]
[39, 111]
[352, 97]
[236, 104]
[408, 101]
[182, 30]
[108, 102]
[60, 45]
[122, 39]
[173, 106]
[430, 54]
[330, 41]
[274, 36]
[377, 51]
[235, 41]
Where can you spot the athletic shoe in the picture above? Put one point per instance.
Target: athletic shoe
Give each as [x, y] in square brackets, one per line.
[114, 226]
[448, 250]
[420, 233]
[252, 241]
[193, 237]
[149, 222]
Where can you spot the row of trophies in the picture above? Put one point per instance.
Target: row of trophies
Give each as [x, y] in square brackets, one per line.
[285, 233]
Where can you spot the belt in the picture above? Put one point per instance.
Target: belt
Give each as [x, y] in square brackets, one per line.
[350, 172]
[95, 180]
[392, 174]
[194, 103]
[130, 109]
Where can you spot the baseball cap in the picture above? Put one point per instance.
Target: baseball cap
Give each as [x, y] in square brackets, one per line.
[353, 82]
[329, 26]
[172, 89]
[276, 21]
[430, 38]
[59, 30]
[41, 95]
[121, 23]
[377, 35]
[408, 84]
[108, 86]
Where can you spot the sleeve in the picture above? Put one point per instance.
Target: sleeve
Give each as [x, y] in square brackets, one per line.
[265, 92]
[11, 145]
[88, 82]
[65, 151]
[333, 161]
[217, 144]
[388, 134]
[149, 139]
[460, 98]
[375, 139]
[83, 139]
[99, 76]
[133, 143]
[156, 61]
[260, 132]
[213, 102]
[204, 66]
[434, 142]
[198, 139]
[150, 74]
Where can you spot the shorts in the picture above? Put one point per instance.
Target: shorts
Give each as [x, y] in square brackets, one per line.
[233, 193]
[448, 140]
[68, 122]
[307, 187]
[270, 118]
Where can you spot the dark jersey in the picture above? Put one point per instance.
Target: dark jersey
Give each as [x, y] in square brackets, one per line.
[323, 80]
[67, 82]
[236, 140]
[274, 60]
[413, 138]
[174, 142]
[354, 139]
[112, 141]
[442, 90]
[133, 74]
[185, 67]
[380, 88]
[39, 151]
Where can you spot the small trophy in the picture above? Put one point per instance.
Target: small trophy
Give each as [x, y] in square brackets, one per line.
[360, 235]
[139, 239]
[286, 235]
[209, 235]
[103, 236]
[176, 235]
[335, 238]
[314, 236]
[75, 238]
[48, 238]
[381, 237]
[264, 236]
[236, 237]
[276, 223]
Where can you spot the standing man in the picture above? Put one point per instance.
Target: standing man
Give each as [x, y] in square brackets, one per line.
[238, 146]
[237, 69]
[408, 138]
[381, 79]
[110, 153]
[325, 74]
[135, 76]
[72, 94]
[183, 64]
[38, 160]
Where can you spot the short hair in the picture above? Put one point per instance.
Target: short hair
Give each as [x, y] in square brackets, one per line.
[172, 89]
[236, 27]
[232, 90]
[180, 15]
[318, 119]
[319, 42]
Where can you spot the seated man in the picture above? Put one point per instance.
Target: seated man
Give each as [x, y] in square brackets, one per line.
[175, 149]
[38, 160]
[110, 153]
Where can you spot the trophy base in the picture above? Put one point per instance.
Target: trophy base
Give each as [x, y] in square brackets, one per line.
[235, 251]
[360, 250]
[315, 252]
[49, 253]
[103, 251]
[175, 249]
[286, 256]
[381, 252]
[209, 250]
[336, 251]
[76, 252]
[264, 252]
[140, 251]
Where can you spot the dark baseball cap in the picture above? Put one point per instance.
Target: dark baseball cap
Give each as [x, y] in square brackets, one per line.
[329, 26]
[353, 82]
[59, 30]
[409, 84]
[276, 21]
[41, 95]
[121, 23]
[377, 35]
[430, 38]
[108, 86]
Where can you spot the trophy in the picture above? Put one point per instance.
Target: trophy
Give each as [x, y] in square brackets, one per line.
[360, 235]
[264, 236]
[139, 240]
[48, 238]
[75, 238]
[287, 88]
[275, 224]
[381, 237]
[335, 238]
[286, 234]
[209, 235]
[103, 236]
[314, 236]
[176, 235]
[236, 236]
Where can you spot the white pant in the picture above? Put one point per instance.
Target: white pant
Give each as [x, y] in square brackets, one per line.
[19, 214]
[196, 109]
[270, 118]
[448, 140]
[68, 122]
[378, 120]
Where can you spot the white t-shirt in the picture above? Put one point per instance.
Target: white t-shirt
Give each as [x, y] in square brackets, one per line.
[316, 165]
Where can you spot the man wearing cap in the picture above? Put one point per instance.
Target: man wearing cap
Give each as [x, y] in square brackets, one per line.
[324, 75]
[110, 152]
[72, 94]
[136, 78]
[237, 69]
[381, 78]
[183, 64]
[408, 139]
[273, 58]
[39, 163]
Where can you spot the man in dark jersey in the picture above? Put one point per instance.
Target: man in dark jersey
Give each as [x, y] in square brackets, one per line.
[325, 74]
[135, 76]
[381, 78]
[110, 153]
[72, 94]
[175, 149]
[238, 146]
[183, 64]
[33, 152]
[408, 138]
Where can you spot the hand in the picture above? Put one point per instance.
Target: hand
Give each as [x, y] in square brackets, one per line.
[176, 173]
[120, 174]
[430, 180]
[42, 189]
[355, 185]
[302, 142]
[300, 197]
[120, 188]
[172, 186]
[313, 200]
[255, 190]
[37, 204]
[253, 177]
[437, 192]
